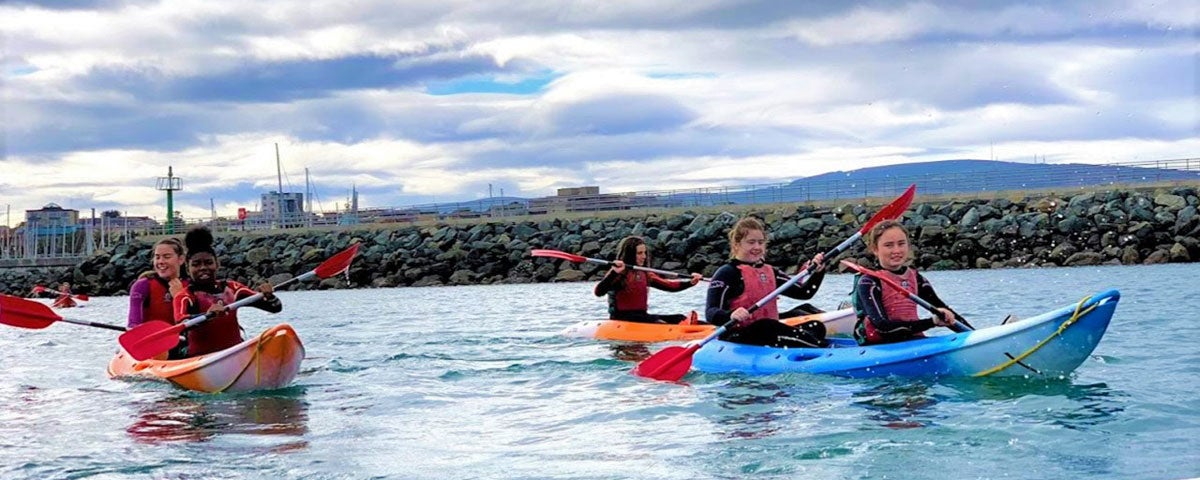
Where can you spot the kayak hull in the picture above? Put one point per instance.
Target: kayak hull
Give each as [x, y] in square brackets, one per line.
[266, 362]
[1052, 344]
[838, 322]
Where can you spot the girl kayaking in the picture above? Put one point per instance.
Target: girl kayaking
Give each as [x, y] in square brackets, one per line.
[628, 289]
[746, 279]
[206, 293]
[884, 314]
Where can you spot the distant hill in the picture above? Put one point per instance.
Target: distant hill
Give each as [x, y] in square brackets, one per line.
[932, 178]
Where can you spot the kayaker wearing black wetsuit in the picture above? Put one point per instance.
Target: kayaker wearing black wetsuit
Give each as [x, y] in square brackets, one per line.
[884, 314]
[745, 280]
[628, 289]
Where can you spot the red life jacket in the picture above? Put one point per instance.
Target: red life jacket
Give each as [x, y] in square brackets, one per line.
[896, 304]
[218, 333]
[157, 305]
[757, 283]
[634, 292]
[64, 301]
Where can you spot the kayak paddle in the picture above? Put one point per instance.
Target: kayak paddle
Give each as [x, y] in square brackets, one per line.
[541, 252]
[920, 301]
[23, 313]
[39, 289]
[673, 362]
[156, 336]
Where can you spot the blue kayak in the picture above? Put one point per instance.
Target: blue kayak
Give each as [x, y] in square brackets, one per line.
[1048, 345]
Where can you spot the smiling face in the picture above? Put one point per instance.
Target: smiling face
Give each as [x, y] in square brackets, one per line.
[892, 248]
[203, 268]
[167, 261]
[752, 248]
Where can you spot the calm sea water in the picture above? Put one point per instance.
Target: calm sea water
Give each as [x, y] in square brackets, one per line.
[474, 382]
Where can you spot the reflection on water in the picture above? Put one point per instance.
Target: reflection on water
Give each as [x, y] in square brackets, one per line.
[911, 403]
[188, 418]
[898, 405]
[758, 413]
[630, 352]
[1093, 404]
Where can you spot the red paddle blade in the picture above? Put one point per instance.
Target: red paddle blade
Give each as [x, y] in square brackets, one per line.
[669, 364]
[337, 263]
[539, 252]
[892, 210]
[150, 339]
[81, 296]
[23, 313]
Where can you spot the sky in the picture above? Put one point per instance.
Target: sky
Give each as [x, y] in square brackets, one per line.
[415, 102]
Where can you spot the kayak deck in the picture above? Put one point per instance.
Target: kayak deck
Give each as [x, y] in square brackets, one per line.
[268, 361]
[1052, 344]
[837, 323]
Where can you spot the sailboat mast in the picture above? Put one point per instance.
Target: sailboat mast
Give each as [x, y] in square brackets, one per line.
[279, 176]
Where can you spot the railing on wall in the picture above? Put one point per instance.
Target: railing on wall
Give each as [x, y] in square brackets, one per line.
[21, 246]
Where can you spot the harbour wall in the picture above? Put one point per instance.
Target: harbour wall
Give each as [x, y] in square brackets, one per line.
[1104, 227]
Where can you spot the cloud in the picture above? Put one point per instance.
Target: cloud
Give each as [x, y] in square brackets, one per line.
[417, 102]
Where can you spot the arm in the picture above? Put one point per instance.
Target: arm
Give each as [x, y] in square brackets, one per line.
[925, 291]
[138, 294]
[802, 291]
[726, 285]
[269, 303]
[668, 285]
[610, 283]
[870, 297]
[184, 304]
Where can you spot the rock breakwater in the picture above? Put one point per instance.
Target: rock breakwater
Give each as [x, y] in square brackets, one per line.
[1110, 227]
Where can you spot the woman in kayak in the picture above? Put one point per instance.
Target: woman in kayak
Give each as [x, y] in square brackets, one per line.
[150, 295]
[64, 299]
[628, 289]
[205, 293]
[884, 314]
[746, 279]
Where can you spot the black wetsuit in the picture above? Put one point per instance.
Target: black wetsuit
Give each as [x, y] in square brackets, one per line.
[728, 284]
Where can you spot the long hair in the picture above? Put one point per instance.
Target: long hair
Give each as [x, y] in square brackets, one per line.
[627, 250]
[742, 228]
[199, 240]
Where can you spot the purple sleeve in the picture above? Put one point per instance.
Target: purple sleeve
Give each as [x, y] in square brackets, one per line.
[137, 302]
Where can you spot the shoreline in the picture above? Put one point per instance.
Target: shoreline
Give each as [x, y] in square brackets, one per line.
[1104, 227]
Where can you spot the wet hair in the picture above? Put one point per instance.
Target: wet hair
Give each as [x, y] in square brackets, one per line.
[199, 240]
[627, 250]
[743, 228]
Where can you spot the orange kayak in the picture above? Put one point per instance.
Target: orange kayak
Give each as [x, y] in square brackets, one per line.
[269, 361]
[837, 323]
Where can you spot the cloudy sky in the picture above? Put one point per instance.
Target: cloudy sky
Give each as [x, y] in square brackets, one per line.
[417, 101]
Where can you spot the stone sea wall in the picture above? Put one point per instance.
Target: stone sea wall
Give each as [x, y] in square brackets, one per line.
[1115, 227]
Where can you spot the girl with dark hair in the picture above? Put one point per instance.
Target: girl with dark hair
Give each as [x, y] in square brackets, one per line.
[150, 295]
[206, 293]
[745, 280]
[628, 289]
[884, 314]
